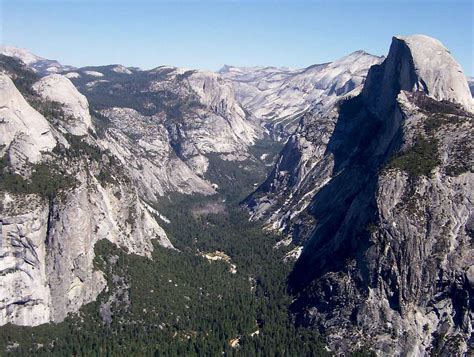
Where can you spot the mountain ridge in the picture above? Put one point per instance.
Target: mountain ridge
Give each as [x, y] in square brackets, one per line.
[360, 191]
[370, 194]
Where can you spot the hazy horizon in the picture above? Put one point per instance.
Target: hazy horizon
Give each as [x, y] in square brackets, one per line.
[210, 34]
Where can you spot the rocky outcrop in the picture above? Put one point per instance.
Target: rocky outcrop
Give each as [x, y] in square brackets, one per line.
[89, 213]
[301, 170]
[218, 94]
[470, 82]
[24, 132]
[38, 64]
[47, 247]
[278, 97]
[24, 295]
[58, 88]
[101, 177]
[142, 143]
[374, 187]
[380, 199]
[72, 192]
[198, 109]
[439, 75]
[417, 63]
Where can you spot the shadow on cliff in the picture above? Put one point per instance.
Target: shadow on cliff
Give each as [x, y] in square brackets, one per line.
[346, 207]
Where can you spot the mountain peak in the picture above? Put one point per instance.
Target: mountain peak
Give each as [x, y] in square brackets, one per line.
[418, 63]
[59, 88]
[358, 53]
[38, 64]
[24, 55]
[225, 68]
[439, 75]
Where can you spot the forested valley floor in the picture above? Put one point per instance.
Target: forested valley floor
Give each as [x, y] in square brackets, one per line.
[223, 291]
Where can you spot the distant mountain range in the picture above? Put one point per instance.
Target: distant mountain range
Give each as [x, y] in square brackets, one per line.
[363, 167]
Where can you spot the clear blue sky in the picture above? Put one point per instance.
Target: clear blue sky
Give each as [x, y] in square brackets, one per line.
[208, 34]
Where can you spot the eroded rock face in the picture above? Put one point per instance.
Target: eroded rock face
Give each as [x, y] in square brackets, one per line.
[438, 74]
[108, 182]
[87, 214]
[24, 296]
[48, 247]
[219, 95]
[420, 64]
[198, 109]
[48, 235]
[38, 64]
[302, 169]
[396, 253]
[58, 88]
[381, 200]
[375, 189]
[22, 129]
[142, 143]
[470, 82]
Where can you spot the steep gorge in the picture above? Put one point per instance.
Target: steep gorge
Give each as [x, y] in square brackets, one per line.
[371, 195]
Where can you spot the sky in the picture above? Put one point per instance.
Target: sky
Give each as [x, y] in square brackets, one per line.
[208, 34]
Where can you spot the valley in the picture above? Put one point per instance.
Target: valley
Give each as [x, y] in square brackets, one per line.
[255, 211]
[177, 302]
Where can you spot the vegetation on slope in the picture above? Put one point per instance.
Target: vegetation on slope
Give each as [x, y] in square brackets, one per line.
[420, 159]
[46, 179]
[179, 303]
[441, 118]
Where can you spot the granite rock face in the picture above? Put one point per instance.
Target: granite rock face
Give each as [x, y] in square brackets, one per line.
[60, 193]
[25, 297]
[439, 75]
[278, 97]
[60, 89]
[47, 246]
[196, 113]
[70, 179]
[36, 63]
[378, 193]
[100, 176]
[143, 144]
[23, 130]
[374, 185]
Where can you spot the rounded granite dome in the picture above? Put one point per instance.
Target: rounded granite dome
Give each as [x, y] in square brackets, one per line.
[438, 73]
